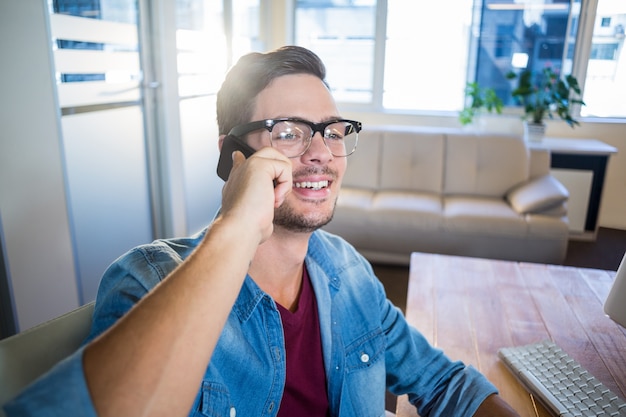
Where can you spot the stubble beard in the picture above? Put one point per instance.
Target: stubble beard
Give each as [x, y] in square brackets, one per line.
[286, 217]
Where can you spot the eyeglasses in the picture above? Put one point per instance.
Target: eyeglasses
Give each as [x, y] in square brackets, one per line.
[293, 136]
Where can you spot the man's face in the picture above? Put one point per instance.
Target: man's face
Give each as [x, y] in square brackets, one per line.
[317, 174]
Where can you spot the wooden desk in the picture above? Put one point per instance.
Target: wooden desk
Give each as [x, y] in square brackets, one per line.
[471, 307]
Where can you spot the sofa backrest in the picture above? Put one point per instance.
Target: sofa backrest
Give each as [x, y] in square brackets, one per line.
[397, 158]
[484, 164]
[411, 162]
[442, 161]
[364, 165]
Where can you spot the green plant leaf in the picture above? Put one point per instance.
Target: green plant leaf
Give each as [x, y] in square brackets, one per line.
[545, 93]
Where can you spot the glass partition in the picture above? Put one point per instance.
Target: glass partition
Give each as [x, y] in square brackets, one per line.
[99, 76]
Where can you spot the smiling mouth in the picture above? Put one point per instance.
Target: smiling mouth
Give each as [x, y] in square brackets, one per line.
[312, 185]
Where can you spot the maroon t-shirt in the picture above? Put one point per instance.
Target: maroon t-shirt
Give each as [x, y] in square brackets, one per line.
[305, 388]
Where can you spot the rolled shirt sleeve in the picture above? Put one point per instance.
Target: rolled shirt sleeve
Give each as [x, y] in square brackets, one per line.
[464, 394]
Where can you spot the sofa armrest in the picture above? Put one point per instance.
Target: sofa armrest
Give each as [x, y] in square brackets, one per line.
[541, 194]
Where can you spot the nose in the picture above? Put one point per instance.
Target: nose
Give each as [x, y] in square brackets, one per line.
[317, 152]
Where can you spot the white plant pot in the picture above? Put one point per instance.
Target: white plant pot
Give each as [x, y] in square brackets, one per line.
[534, 132]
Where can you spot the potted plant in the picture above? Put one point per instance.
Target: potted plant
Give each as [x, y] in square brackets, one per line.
[545, 94]
[480, 99]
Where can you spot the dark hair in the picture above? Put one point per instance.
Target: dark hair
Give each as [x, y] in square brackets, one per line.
[252, 74]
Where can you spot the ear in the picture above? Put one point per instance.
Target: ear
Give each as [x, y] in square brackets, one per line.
[220, 142]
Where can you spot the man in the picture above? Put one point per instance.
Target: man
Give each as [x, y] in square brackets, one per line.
[262, 313]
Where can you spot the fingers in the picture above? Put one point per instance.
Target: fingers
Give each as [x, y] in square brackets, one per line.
[256, 186]
[270, 162]
[238, 159]
[282, 180]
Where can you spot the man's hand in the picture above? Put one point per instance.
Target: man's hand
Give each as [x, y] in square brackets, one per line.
[169, 336]
[255, 187]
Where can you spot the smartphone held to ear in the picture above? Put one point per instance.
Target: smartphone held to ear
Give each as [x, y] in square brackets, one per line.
[229, 145]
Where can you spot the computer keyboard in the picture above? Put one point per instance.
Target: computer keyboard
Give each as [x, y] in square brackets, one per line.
[560, 382]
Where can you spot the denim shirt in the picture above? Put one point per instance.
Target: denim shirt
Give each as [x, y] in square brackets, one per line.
[367, 344]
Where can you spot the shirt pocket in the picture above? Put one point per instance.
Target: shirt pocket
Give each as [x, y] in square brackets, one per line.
[214, 401]
[365, 351]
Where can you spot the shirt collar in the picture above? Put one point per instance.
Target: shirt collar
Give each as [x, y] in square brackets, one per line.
[321, 267]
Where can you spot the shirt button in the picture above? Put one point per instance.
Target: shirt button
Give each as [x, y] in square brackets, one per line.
[365, 358]
[233, 412]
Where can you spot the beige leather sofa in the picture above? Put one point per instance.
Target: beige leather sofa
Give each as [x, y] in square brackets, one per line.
[453, 192]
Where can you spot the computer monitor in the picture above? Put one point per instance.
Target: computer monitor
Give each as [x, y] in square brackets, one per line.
[615, 304]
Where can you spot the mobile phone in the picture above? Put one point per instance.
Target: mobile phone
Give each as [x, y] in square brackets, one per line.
[229, 145]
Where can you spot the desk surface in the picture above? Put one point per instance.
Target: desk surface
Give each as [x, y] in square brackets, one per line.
[471, 307]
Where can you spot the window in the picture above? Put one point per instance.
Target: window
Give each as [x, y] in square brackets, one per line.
[606, 51]
[606, 67]
[506, 39]
[417, 56]
[426, 56]
[210, 38]
[342, 33]
[201, 45]
[537, 39]
[107, 12]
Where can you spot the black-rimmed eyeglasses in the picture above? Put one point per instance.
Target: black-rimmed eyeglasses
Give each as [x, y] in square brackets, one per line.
[293, 136]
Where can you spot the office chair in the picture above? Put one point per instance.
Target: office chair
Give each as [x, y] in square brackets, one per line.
[29, 354]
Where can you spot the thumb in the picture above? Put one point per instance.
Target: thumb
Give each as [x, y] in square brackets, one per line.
[238, 159]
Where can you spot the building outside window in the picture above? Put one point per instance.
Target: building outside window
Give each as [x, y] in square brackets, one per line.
[606, 67]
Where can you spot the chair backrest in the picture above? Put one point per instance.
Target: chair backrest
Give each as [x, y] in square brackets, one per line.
[29, 354]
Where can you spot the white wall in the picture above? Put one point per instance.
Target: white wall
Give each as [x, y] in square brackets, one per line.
[33, 206]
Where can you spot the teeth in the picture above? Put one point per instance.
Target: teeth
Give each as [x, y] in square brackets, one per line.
[316, 185]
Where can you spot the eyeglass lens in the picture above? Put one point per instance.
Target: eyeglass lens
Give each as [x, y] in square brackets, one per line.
[293, 138]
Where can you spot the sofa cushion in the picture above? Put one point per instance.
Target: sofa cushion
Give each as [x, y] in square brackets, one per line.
[484, 165]
[412, 162]
[482, 216]
[541, 194]
[421, 211]
[546, 227]
[556, 212]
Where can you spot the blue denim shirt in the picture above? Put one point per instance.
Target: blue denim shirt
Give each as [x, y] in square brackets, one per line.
[367, 344]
